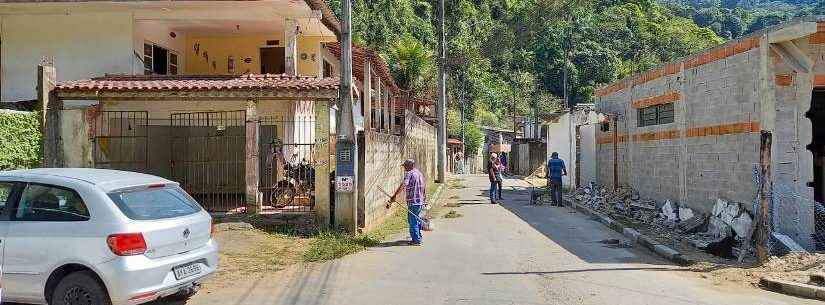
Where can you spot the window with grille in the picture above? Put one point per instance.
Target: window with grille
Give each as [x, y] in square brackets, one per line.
[656, 115]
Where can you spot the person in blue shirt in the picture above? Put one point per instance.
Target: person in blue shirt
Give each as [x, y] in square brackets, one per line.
[555, 170]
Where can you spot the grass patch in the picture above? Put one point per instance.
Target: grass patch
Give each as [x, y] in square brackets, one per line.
[247, 252]
[271, 247]
[452, 214]
[392, 225]
[332, 245]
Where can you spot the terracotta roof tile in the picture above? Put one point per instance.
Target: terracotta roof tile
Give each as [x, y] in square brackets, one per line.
[200, 83]
[359, 54]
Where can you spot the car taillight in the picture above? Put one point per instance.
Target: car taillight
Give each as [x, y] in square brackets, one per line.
[127, 244]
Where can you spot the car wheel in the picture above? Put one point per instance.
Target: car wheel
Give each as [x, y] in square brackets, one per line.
[80, 288]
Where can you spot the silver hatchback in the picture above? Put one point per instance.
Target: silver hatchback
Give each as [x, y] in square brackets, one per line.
[94, 236]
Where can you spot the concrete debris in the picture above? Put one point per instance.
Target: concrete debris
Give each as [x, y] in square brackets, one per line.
[788, 243]
[669, 212]
[720, 206]
[693, 224]
[741, 225]
[643, 206]
[685, 213]
[727, 230]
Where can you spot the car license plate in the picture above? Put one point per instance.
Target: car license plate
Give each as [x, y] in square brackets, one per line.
[184, 271]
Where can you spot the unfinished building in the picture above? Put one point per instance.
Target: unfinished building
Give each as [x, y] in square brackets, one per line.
[691, 130]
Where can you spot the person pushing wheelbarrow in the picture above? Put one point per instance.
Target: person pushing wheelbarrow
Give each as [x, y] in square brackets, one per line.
[415, 186]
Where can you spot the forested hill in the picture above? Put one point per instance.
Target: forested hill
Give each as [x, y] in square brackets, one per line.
[509, 54]
[734, 18]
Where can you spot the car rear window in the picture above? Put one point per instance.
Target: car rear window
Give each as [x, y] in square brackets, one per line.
[155, 203]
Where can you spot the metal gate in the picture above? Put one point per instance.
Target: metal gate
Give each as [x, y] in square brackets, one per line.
[287, 150]
[120, 140]
[208, 158]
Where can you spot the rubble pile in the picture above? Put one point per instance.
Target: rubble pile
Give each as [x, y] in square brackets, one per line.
[726, 232]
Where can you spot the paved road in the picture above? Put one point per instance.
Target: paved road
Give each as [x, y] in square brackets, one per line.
[495, 254]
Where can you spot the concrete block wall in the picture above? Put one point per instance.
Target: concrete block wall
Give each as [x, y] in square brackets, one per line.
[383, 157]
[383, 173]
[709, 150]
[419, 144]
[792, 162]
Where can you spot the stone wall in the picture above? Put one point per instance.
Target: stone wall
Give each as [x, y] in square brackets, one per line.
[709, 149]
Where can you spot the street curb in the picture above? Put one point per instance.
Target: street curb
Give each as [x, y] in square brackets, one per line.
[634, 235]
[792, 288]
[436, 198]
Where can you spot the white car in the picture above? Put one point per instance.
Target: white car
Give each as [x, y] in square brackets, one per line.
[94, 236]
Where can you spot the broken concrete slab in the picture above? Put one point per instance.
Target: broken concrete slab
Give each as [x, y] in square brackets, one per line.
[669, 211]
[717, 228]
[720, 206]
[787, 242]
[693, 225]
[685, 213]
[741, 225]
[729, 213]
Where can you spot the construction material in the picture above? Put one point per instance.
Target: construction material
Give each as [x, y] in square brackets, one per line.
[787, 242]
[725, 233]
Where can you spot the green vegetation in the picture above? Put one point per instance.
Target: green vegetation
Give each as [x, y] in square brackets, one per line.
[20, 139]
[506, 57]
[735, 18]
[332, 245]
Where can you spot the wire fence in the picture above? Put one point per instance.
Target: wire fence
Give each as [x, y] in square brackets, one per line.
[797, 222]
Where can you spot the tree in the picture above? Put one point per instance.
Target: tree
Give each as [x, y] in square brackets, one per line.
[412, 67]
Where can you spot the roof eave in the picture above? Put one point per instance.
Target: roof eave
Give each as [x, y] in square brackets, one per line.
[198, 94]
[328, 16]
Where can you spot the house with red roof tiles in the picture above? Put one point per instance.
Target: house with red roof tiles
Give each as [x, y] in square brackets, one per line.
[235, 100]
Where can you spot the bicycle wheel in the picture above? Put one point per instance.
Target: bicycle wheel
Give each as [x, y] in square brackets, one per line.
[282, 196]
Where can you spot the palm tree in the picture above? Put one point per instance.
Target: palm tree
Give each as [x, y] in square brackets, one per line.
[413, 67]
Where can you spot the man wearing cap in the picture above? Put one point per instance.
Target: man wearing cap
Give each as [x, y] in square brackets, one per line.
[555, 169]
[415, 186]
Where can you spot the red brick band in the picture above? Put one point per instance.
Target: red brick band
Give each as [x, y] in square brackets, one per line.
[666, 98]
[705, 131]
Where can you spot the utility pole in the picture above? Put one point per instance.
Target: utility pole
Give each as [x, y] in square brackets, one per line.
[763, 224]
[346, 150]
[513, 96]
[567, 104]
[442, 96]
[463, 149]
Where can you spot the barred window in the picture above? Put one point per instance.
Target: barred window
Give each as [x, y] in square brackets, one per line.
[656, 115]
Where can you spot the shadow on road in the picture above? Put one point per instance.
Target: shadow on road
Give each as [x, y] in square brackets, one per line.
[586, 270]
[396, 243]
